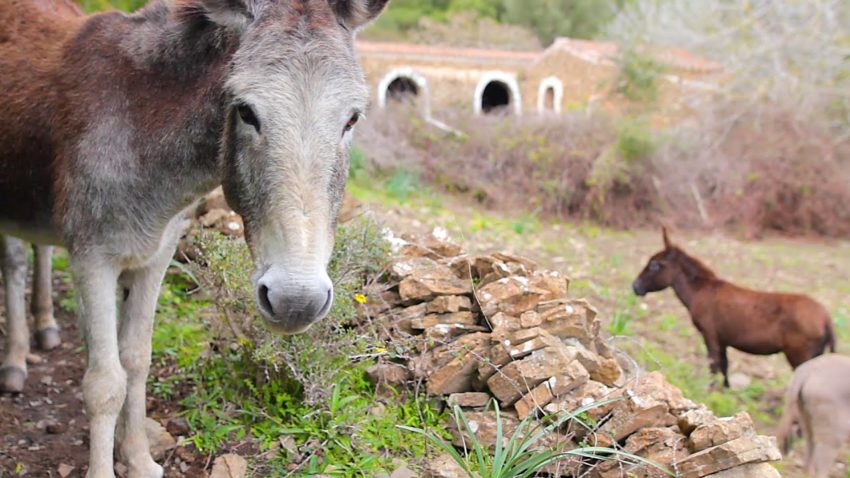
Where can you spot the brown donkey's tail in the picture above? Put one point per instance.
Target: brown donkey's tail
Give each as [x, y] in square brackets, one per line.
[793, 400]
[830, 337]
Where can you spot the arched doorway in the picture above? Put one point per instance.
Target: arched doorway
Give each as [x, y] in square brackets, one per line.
[550, 95]
[497, 92]
[402, 89]
[496, 98]
[405, 85]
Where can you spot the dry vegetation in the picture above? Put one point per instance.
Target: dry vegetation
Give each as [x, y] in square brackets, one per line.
[760, 168]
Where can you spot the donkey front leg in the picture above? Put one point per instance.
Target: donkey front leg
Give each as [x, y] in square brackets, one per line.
[46, 329]
[141, 289]
[105, 382]
[13, 258]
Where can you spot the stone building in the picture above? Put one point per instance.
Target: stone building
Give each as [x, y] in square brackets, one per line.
[569, 75]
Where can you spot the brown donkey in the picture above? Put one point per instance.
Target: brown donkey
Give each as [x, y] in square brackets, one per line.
[114, 124]
[727, 315]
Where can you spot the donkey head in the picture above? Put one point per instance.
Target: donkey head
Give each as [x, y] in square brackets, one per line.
[294, 92]
[659, 272]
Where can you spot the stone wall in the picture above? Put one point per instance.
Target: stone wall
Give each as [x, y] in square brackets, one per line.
[498, 327]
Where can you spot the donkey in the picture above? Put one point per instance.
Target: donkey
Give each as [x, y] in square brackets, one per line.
[819, 398]
[727, 315]
[13, 264]
[114, 124]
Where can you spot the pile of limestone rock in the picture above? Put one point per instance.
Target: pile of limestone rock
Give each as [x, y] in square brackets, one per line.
[497, 326]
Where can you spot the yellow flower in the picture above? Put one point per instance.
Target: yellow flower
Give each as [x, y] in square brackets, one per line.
[360, 298]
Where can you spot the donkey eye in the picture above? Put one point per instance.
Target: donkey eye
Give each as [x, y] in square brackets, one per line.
[246, 114]
[353, 121]
[654, 266]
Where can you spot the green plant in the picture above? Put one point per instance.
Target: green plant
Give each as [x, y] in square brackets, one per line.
[402, 184]
[638, 76]
[620, 323]
[522, 454]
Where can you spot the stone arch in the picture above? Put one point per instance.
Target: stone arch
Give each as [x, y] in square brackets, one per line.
[495, 89]
[405, 80]
[550, 95]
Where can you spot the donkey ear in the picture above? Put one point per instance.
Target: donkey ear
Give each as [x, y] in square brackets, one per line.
[230, 14]
[356, 14]
[667, 242]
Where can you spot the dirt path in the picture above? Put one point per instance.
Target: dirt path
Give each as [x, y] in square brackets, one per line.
[44, 430]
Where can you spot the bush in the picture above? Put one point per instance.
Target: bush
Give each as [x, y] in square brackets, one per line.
[762, 170]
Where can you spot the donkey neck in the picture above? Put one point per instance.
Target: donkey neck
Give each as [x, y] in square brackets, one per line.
[180, 62]
[692, 277]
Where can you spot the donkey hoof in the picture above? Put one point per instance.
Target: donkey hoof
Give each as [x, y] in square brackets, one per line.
[12, 379]
[47, 339]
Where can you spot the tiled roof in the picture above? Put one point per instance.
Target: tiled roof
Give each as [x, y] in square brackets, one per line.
[446, 52]
[606, 52]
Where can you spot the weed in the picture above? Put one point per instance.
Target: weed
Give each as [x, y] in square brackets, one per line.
[522, 454]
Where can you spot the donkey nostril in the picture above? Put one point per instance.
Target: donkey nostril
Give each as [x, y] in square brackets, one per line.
[265, 303]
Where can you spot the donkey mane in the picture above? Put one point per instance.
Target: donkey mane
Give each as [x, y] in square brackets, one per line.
[175, 36]
[693, 268]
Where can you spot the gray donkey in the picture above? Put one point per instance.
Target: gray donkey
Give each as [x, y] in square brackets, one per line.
[113, 124]
[818, 397]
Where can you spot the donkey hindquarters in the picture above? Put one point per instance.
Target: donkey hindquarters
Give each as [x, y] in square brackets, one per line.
[818, 398]
[13, 266]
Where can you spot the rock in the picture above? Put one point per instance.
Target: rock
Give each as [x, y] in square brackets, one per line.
[552, 282]
[34, 359]
[64, 470]
[229, 466]
[469, 399]
[444, 466]
[447, 332]
[388, 373]
[403, 472]
[719, 431]
[448, 304]
[607, 372]
[160, 440]
[212, 217]
[585, 395]
[571, 377]
[662, 446]
[177, 426]
[655, 386]
[569, 318]
[530, 318]
[405, 266]
[511, 295]
[428, 283]
[456, 318]
[691, 419]
[633, 413]
[519, 377]
[457, 375]
[745, 450]
[54, 428]
[483, 425]
[753, 470]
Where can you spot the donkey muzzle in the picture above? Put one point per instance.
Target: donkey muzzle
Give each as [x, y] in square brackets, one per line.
[638, 288]
[291, 302]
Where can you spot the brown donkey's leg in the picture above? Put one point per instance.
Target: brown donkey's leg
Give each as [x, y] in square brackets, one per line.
[46, 329]
[13, 372]
[724, 366]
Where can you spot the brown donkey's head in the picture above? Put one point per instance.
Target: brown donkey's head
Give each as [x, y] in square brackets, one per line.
[294, 91]
[659, 271]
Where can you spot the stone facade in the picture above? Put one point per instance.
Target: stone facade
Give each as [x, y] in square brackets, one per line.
[569, 75]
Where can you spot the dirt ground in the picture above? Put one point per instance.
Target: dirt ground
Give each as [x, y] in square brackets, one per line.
[44, 430]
